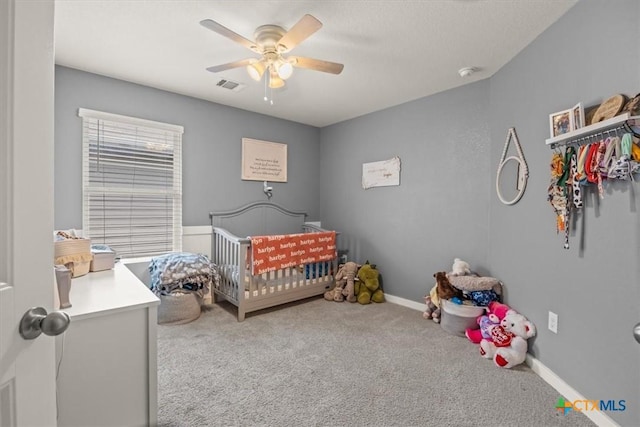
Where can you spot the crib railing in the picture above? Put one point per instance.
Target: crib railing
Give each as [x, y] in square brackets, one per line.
[229, 252]
[250, 292]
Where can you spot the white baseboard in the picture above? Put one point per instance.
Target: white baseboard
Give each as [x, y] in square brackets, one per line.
[550, 377]
[405, 302]
[568, 392]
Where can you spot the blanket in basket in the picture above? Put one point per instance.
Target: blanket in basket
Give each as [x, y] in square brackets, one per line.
[181, 272]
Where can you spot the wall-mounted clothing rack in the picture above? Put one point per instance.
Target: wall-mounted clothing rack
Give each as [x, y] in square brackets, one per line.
[621, 123]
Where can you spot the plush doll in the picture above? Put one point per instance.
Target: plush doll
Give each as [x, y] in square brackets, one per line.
[367, 288]
[508, 347]
[344, 280]
[342, 286]
[348, 272]
[495, 313]
[460, 268]
[433, 305]
[444, 288]
[335, 294]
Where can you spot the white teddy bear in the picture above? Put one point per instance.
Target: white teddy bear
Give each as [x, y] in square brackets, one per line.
[508, 346]
[460, 268]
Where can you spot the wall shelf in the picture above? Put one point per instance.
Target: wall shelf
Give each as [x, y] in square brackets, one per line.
[575, 137]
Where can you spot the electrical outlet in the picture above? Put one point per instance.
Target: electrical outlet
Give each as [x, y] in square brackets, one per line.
[553, 322]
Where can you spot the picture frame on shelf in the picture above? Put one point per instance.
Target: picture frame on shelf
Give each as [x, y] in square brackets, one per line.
[561, 122]
[577, 113]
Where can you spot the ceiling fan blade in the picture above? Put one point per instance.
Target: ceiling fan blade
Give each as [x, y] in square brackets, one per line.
[230, 65]
[224, 31]
[317, 64]
[306, 26]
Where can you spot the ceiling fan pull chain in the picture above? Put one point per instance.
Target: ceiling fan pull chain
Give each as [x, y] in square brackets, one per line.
[265, 88]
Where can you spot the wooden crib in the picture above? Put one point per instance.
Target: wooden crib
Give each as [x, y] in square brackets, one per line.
[232, 256]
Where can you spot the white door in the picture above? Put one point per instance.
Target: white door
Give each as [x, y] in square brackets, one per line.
[27, 368]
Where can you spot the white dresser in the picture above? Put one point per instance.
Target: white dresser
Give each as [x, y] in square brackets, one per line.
[108, 356]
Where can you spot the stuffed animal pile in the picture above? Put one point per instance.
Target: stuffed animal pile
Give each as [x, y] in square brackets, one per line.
[495, 313]
[461, 286]
[502, 335]
[356, 283]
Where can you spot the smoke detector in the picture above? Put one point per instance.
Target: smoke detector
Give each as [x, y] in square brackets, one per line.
[467, 71]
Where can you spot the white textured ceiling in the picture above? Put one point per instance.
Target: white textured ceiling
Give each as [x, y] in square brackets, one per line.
[392, 51]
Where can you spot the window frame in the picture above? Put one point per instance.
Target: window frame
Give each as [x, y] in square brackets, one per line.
[173, 193]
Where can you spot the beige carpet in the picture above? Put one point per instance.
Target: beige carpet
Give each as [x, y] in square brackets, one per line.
[321, 363]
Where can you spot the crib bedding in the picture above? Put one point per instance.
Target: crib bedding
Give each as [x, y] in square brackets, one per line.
[308, 272]
[281, 251]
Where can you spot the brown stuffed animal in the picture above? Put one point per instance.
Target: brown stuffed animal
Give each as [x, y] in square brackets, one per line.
[349, 271]
[444, 288]
[344, 283]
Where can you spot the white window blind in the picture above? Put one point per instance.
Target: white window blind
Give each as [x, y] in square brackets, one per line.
[132, 184]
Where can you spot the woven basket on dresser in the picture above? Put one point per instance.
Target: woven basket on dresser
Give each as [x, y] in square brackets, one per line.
[75, 254]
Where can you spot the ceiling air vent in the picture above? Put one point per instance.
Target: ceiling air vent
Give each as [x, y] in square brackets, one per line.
[231, 85]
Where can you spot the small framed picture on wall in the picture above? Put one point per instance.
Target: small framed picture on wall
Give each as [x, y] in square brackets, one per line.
[578, 116]
[561, 122]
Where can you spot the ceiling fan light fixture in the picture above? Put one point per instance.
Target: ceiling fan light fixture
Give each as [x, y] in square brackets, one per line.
[275, 81]
[285, 70]
[256, 70]
[271, 42]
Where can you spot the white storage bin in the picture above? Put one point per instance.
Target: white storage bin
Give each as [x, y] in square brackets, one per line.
[456, 318]
[102, 261]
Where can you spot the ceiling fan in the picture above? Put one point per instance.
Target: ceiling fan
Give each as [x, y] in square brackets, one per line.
[272, 42]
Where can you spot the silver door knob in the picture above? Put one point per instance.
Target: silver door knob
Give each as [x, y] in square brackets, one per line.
[636, 332]
[36, 321]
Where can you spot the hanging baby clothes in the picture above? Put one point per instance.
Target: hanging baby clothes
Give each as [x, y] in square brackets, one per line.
[575, 182]
[558, 190]
[581, 176]
[599, 157]
[610, 155]
[624, 167]
[560, 187]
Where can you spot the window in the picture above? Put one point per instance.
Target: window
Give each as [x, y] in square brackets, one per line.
[131, 184]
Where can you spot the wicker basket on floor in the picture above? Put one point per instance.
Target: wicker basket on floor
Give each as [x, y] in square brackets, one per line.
[177, 309]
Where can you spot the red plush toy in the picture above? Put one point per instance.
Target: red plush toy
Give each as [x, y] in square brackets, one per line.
[495, 313]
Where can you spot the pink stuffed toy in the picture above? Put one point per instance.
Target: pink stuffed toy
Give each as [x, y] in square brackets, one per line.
[495, 313]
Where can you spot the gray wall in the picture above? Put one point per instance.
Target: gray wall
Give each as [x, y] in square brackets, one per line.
[439, 211]
[211, 147]
[446, 206]
[588, 55]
